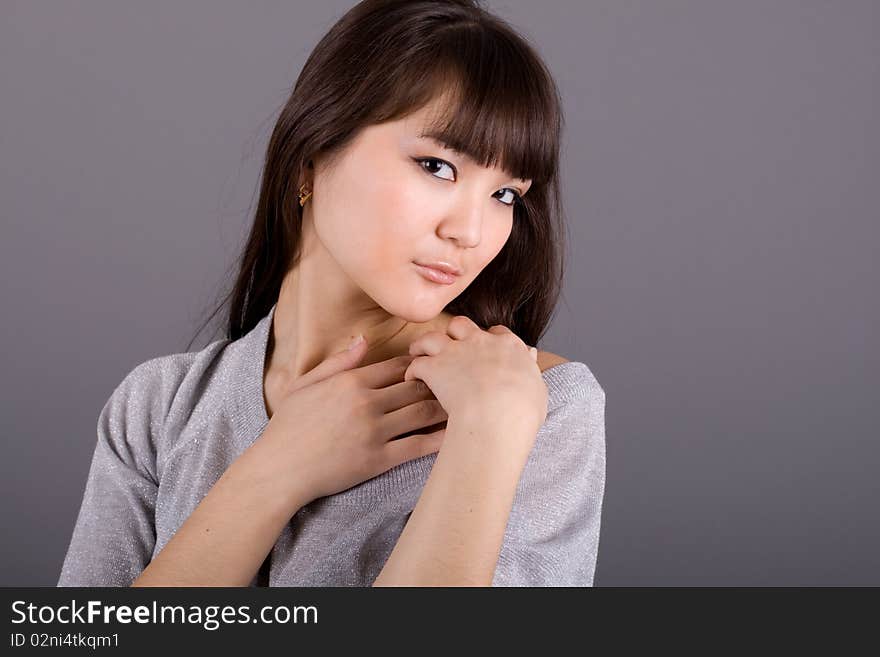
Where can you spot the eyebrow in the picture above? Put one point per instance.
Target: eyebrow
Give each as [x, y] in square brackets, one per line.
[437, 137]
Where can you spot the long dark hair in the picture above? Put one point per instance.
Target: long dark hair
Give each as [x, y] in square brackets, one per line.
[383, 60]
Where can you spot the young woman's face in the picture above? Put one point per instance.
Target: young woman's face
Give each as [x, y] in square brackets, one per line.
[394, 198]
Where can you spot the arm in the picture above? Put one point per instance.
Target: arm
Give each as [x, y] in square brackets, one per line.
[115, 530]
[552, 534]
[455, 532]
[226, 539]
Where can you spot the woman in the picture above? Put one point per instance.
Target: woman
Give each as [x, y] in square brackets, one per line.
[439, 450]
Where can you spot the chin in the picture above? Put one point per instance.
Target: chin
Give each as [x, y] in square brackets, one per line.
[418, 313]
[421, 318]
[414, 308]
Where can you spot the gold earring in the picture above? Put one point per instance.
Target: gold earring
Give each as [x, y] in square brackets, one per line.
[304, 196]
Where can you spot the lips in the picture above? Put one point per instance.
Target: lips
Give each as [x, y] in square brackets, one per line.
[441, 265]
[436, 275]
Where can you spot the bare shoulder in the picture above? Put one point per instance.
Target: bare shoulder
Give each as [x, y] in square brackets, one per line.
[547, 359]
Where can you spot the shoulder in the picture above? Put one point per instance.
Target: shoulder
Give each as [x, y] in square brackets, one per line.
[152, 380]
[138, 405]
[569, 383]
[158, 387]
[547, 359]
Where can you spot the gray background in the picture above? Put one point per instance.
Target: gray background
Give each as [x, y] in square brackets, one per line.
[720, 175]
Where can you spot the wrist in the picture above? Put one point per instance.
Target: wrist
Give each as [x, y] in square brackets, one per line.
[268, 468]
[500, 442]
[498, 418]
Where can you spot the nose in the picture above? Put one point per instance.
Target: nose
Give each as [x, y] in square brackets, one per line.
[464, 223]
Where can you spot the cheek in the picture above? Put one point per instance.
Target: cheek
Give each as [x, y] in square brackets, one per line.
[372, 226]
[495, 240]
[390, 228]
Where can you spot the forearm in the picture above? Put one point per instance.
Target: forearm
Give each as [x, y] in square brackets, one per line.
[455, 532]
[227, 537]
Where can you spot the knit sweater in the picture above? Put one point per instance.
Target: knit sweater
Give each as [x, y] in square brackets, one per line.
[175, 423]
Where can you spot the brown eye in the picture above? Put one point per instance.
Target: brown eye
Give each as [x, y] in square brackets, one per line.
[434, 161]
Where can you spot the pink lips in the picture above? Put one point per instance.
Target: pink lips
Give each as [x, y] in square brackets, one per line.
[435, 275]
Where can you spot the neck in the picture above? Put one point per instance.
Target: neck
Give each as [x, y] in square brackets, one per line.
[303, 333]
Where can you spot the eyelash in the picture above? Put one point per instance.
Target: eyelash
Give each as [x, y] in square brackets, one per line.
[517, 198]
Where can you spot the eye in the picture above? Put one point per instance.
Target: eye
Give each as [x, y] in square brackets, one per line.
[515, 197]
[434, 160]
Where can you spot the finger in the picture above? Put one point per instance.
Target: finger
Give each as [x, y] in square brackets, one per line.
[500, 329]
[401, 394]
[384, 373]
[414, 417]
[416, 369]
[504, 331]
[407, 449]
[429, 344]
[347, 359]
[461, 326]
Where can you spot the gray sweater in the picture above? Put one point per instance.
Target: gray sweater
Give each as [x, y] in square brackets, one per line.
[175, 423]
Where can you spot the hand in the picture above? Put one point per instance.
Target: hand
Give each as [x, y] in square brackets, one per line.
[334, 428]
[488, 374]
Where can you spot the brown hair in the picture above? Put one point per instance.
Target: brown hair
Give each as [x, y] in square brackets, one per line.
[383, 60]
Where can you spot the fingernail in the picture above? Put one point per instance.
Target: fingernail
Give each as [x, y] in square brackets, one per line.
[354, 343]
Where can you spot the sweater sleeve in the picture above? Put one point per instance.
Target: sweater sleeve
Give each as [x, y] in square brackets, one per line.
[114, 534]
[552, 536]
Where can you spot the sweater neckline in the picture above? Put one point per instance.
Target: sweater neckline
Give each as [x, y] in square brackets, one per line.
[565, 382]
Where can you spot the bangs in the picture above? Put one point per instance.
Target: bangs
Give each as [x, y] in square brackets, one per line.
[494, 105]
